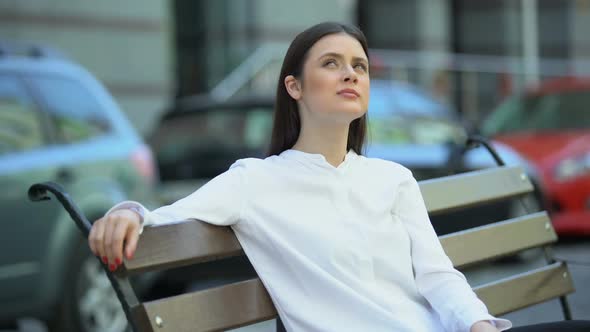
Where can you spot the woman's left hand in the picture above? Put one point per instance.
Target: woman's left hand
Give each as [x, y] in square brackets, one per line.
[483, 326]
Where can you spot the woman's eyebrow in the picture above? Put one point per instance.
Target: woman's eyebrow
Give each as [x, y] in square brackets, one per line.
[340, 56]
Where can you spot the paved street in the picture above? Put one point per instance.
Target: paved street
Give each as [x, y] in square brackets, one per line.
[550, 311]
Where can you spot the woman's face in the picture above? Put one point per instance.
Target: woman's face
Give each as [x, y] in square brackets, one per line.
[335, 79]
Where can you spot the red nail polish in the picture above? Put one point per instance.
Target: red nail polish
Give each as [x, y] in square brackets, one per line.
[117, 261]
[105, 259]
[112, 267]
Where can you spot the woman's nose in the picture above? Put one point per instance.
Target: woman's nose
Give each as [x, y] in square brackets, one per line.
[350, 74]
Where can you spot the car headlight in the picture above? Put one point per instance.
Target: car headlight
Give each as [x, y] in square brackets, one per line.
[572, 167]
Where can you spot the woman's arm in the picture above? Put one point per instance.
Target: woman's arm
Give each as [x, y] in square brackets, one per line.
[219, 202]
[445, 288]
[483, 326]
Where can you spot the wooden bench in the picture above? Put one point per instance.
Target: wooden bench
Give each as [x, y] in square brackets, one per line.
[247, 302]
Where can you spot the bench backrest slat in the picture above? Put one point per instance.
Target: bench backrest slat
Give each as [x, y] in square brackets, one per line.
[215, 309]
[498, 239]
[182, 243]
[185, 243]
[526, 289]
[473, 188]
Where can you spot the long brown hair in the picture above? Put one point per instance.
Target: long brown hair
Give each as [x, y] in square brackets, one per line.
[286, 123]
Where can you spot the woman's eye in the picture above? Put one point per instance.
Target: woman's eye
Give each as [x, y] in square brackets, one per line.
[361, 66]
[330, 63]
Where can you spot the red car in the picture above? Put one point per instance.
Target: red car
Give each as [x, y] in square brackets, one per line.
[549, 125]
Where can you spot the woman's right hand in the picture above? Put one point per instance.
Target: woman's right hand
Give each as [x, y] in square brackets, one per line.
[110, 233]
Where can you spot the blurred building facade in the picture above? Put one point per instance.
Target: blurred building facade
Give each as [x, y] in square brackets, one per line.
[482, 50]
[214, 37]
[507, 44]
[126, 44]
[150, 52]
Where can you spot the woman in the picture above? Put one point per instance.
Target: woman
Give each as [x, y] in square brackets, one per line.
[341, 242]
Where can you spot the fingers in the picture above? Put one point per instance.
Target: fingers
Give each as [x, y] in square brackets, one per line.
[92, 239]
[109, 235]
[131, 240]
[96, 239]
[118, 236]
[109, 241]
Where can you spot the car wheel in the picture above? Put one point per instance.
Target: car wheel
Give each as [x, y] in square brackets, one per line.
[89, 303]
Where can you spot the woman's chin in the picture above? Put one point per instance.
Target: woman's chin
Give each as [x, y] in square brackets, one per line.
[344, 114]
[352, 114]
[350, 108]
[356, 112]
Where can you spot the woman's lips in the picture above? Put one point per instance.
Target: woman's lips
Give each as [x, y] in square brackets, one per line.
[349, 93]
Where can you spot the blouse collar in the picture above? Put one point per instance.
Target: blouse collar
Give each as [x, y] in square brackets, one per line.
[318, 159]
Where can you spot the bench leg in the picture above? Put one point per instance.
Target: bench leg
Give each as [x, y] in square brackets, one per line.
[280, 326]
[567, 314]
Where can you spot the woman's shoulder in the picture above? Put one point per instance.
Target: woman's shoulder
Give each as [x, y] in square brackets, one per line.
[388, 166]
[247, 163]
[251, 163]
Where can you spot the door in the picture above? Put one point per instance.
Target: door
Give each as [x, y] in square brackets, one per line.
[26, 226]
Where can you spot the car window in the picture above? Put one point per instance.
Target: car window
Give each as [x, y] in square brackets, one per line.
[540, 112]
[414, 130]
[397, 98]
[20, 125]
[402, 114]
[75, 112]
[204, 144]
[573, 110]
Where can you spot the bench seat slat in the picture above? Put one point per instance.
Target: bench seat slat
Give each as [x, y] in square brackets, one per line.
[473, 188]
[498, 239]
[215, 309]
[526, 289]
[182, 243]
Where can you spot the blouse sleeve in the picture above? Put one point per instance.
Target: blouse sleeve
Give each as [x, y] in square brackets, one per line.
[445, 288]
[220, 202]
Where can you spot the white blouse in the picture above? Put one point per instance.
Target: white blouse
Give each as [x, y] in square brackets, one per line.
[347, 248]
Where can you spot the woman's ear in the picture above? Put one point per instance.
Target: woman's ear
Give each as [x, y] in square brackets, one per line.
[293, 87]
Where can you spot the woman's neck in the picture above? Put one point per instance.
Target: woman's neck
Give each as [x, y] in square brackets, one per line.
[329, 142]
